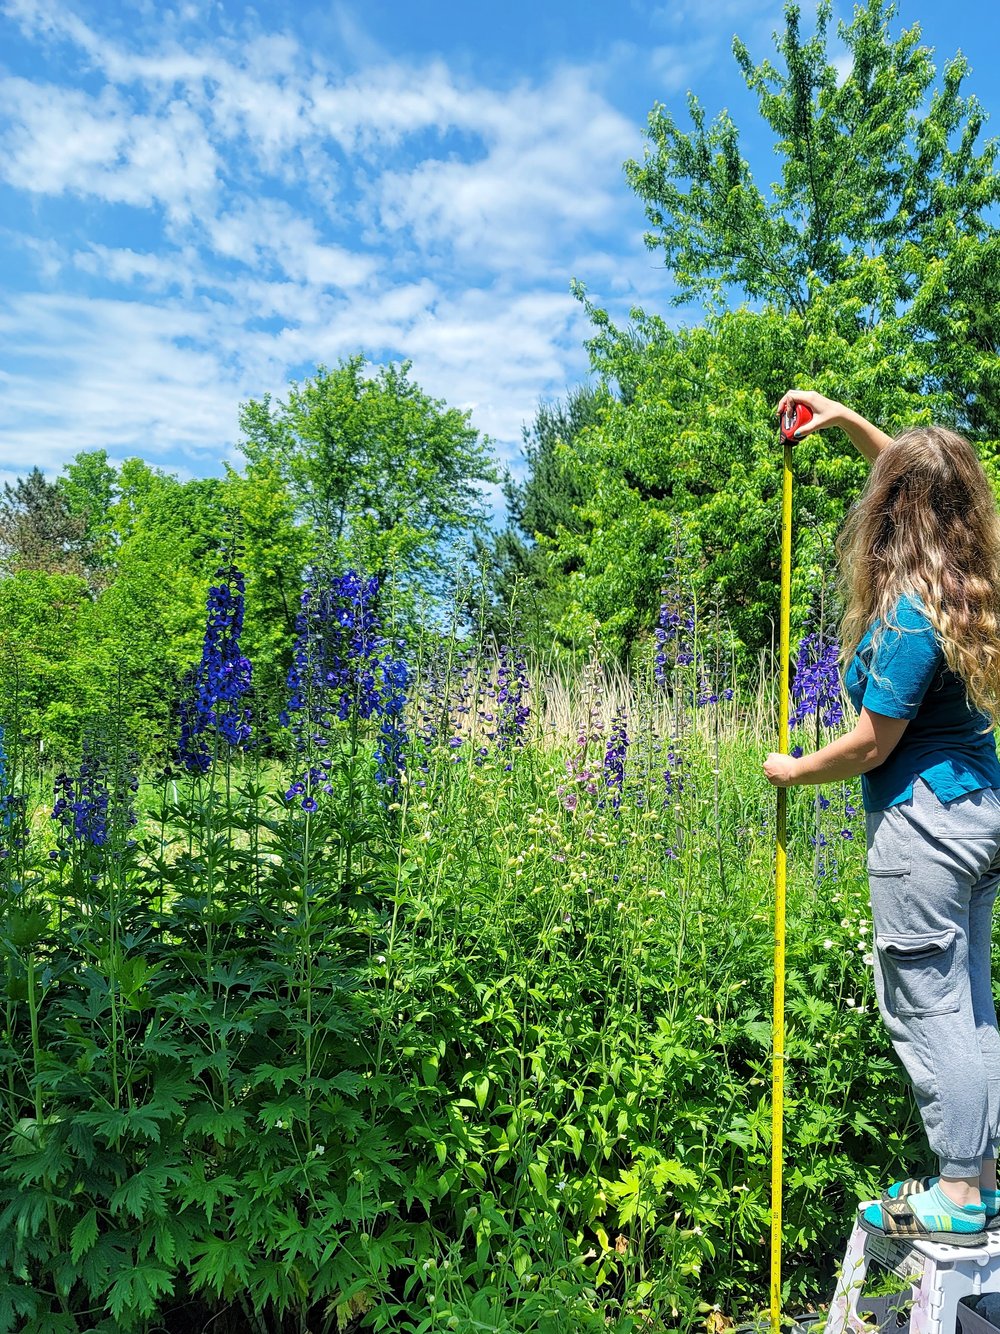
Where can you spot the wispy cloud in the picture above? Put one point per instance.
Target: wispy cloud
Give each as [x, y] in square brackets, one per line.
[128, 376]
[549, 174]
[288, 212]
[61, 140]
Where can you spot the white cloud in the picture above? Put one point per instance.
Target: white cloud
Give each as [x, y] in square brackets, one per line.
[551, 171]
[61, 140]
[292, 215]
[116, 374]
[269, 230]
[127, 267]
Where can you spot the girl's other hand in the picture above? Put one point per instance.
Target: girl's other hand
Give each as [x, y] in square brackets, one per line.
[825, 411]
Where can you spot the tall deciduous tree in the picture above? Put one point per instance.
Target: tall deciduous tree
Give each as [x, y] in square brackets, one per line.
[387, 475]
[880, 176]
[88, 485]
[272, 551]
[169, 538]
[869, 267]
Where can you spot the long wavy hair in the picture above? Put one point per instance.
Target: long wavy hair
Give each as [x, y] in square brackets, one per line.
[927, 524]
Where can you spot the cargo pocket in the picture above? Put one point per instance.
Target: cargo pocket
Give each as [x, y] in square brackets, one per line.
[888, 860]
[918, 971]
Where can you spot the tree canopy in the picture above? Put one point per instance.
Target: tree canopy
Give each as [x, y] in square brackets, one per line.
[387, 476]
[867, 272]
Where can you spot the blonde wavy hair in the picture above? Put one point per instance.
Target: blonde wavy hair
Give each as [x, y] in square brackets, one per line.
[927, 523]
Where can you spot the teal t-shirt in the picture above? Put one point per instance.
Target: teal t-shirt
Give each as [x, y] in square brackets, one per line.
[944, 743]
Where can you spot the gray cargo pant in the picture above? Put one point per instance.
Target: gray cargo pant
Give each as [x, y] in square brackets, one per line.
[933, 871]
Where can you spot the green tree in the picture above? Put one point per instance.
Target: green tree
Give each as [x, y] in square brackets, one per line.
[866, 264]
[45, 657]
[691, 462]
[876, 184]
[388, 477]
[524, 574]
[273, 550]
[88, 485]
[146, 627]
[38, 531]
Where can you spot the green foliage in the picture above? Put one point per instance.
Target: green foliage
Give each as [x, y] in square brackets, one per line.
[871, 262]
[130, 615]
[691, 460]
[271, 552]
[875, 183]
[89, 487]
[386, 475]
[525, 581]
[484, 1054]
[43, 673]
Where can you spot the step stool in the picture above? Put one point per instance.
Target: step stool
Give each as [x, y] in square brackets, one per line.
[940, 1276]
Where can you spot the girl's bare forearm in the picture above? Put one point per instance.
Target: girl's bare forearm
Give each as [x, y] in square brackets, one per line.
[863, 435]
[846, 757]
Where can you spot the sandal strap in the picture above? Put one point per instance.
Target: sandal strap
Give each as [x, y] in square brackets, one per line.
[913, 1186]
[899, 1220]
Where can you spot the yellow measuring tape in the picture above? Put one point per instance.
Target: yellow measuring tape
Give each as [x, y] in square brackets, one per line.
[780, 867]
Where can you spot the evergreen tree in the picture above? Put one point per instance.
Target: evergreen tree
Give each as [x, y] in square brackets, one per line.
[38, 531]
[521, 566]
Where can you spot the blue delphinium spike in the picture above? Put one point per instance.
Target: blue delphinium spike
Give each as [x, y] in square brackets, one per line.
[81, 805]
[676, 622]
[214, 694]
[815, 685]
[614, 760]
[389, 759]
[512, 686]
[342, 666]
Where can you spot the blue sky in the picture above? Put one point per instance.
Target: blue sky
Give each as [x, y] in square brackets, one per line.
[199, 201]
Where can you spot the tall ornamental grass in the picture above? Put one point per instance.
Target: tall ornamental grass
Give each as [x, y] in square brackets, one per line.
[440, 1003]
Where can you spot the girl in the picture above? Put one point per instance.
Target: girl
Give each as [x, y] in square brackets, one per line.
[919, 558]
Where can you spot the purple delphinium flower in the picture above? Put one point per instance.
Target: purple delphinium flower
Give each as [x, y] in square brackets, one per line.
[673, 781]
[432, 708]
[389, 759]
[816, 683]
[512, 685]
[81, 807]
[675, 623]
[342, 666]
[215, 690]
[850, 811]
[336, 646]
[614, 761]
[336, 637]
[10, 806]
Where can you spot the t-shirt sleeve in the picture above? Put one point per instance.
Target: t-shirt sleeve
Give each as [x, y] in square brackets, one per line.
[904, 665]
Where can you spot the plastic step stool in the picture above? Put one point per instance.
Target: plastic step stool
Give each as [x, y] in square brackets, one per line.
[940, 1276]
